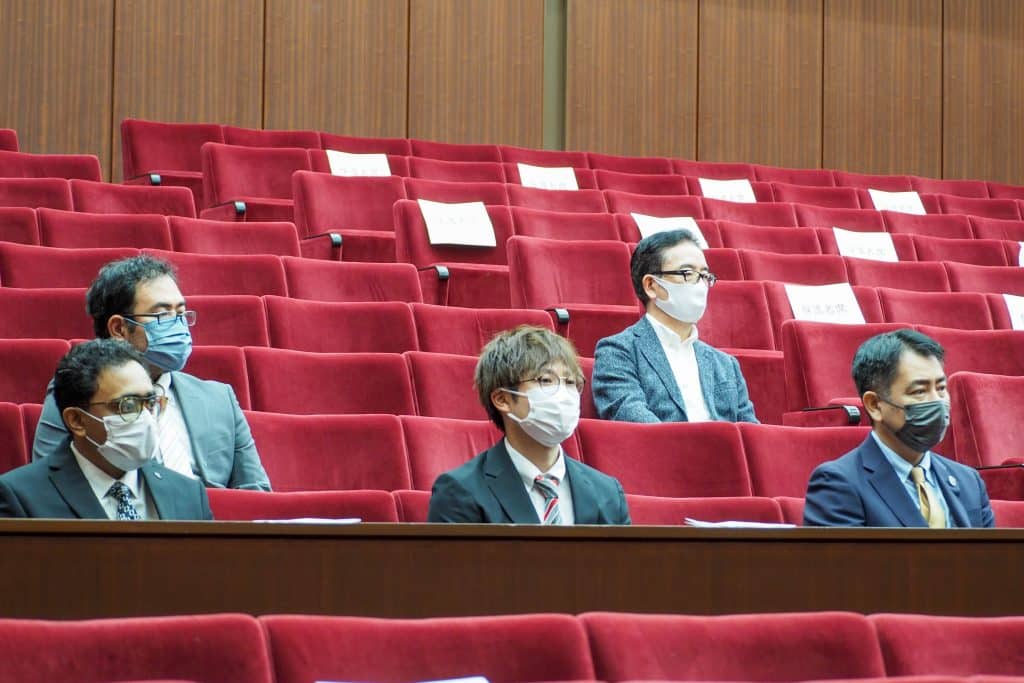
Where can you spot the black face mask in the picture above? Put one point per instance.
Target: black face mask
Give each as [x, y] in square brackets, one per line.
[925, 424]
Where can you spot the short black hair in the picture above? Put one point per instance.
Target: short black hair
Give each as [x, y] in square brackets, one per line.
[649, 255]
[77, 377]
[877, 361]
[113, 291]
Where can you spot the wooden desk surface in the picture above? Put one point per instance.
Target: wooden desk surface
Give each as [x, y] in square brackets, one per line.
[83, 569]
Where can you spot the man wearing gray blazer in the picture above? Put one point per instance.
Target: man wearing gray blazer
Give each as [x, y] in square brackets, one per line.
[657, 370]
[203, 433]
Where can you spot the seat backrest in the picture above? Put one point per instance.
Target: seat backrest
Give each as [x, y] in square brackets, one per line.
[629, 231]
[804, 269]
[811, 177]
[902, 244]
[546, 273]
[958, 188]
[199, 236]
[54, 193]
[243, 505]
[921, 277]
[413, 506]
[1009, 514]
[437, 445]
[835, 197]
[982, 407]
[29, 367]
[443, 383]
[233, 172]
[714, 170]
[257, 137]
[229, 320]
[543, 157]
[9, 139]
[453, 151]
[44, 314]
[861, 220]
[74, 230]
[780, 309]
[964, 310]
[456, 171]
[412, 244]
[584, 201]
[256, 274]
[627, 164]
[975, 251]
[25, 165]
[970, 206]
[762, 213]
[22, 265]
[451, 329]
[585, 179]
[454, 192]
[153, 146]
[785, 240]
[324, 202]
[673, 511]
[642, 183]
[96, 197]
[935, 225]
[340, 327]
[663, 206]
[737, 316]
[997, 228]
[222, 364]
[349, 281]
[13, 447]
[354, 144]
[560, 225]
[999, 352]
[886, 183]
[792, 509]
[964, 277]
[331, 452]
[18, 224]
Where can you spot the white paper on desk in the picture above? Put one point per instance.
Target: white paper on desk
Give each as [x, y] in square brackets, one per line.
[346, 164]
[904, 202]
[876, 246]
[736, 525]
[650, 225]
[825, 303]
[738, 190]
[311, 520]
[1015, 306]
[548, 178]
[466, 224]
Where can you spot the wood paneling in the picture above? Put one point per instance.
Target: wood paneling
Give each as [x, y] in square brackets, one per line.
[983, 97]
[55, 74]
[631, 82]
[760, 81]
[476, 71]
[188, 60]
[883, 86]
[337, 65]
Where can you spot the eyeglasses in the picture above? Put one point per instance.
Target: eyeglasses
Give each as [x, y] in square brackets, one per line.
[165, 318]
[690, 276]
[549, 383]
[130, 407]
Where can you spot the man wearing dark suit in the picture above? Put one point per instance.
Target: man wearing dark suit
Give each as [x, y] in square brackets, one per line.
[110, 405]
[657, 370]
[529, 381]
[203, 432]
[893, 479]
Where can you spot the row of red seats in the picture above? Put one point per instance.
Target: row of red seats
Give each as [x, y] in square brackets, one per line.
[605, 646]
[8, 140]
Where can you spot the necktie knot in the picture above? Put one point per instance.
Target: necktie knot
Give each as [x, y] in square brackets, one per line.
[917, 474]
[548, 487]
[930, 507]
[120, 492]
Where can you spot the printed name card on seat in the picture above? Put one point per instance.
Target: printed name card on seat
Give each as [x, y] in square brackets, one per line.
[650, 225]
[904, 202]
[1015, 307]
[737, 190]
[466, 224]
[875, 246]
[349, 164]
[834, 303]
[547, 178]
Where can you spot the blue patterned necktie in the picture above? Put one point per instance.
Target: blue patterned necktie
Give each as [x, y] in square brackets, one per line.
[548, 487]
[120, 492]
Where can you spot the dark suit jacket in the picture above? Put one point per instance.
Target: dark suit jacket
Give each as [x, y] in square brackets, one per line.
[633, 381]
[225, 454]
[489, 489]
[55, 488]
[862, 489]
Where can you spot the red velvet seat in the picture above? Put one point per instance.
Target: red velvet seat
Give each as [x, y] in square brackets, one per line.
[930, 202]
[365, 145]
[886, 183]
[629, 231]
[436, 445]
[13, 451]
[677, 460]
[22, 265]
[780, 309]
[764, 238]
[965, 277]
[96, 197]
[25, 165]
[834, 197]
[673, 511]
[762, 192]
[715, 170]
[997, 306]
[44, 313]
[861, 220]
[741, 647]
[30, 413]
[228, 648]
[198, 236]
[166, 153]
[229, 320]
[964, 310]
[412, 506]
[453, 151]
[997, 229]
[958, 188]
[321, 162]
[990, 208]
[1009, 513]
[454, 192]
[456, 171]
[340, 327]
[903, 244]
[792, 509]
[1005, 191]
[762, 213]
[243, 505]
[810, 177]
[642, 183]
[54, 193]
[302, 383]
[450, 329]
[584, 201]
[542, 157]
[257, 137]
[737, 316]
[914, 644]
[585, 179]
[29, 365]
[984, 407]
[18, 224]
[256, 274]
[250, 183]
[547, 273]
[73, 230]
[935, 225]
[628, 164]
[999, 352]
[921, 277]
[443, 385]
[805, 269]
[331, 452]
[222, 364]
[781, 459]
[976, 251]
[654, 205]
[558, 225]
[8, 139]
[330, 281]
[505, 649]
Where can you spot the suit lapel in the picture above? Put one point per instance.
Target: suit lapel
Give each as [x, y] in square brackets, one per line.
[652, 351]
[887, 484]
[584, 501]
[706, 373]
[949, 487]
[158, 490]
[73, 487]
[193, 412]
[507, 486]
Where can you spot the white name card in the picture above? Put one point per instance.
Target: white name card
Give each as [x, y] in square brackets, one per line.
[904, 202]
[1015, 305]
[825, 303]
[548, 178]
[345, 164]
[650, 225]
[876, 246]
[1020, 256]
[466, 225]
[739, 190]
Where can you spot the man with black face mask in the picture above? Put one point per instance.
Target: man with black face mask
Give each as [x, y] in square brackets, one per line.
[894, 479]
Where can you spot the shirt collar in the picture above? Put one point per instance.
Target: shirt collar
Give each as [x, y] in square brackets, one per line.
[99, 481]
[899, 464]
[667, 336]
[529, 472]
[164, 381]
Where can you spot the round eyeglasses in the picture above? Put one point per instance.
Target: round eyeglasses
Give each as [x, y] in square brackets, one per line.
[130, 407]
[549, 383]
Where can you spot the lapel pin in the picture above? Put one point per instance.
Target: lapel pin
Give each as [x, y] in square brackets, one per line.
[158, 475]
[952, 480]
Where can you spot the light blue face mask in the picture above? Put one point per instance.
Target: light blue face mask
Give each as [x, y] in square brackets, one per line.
[169, 342]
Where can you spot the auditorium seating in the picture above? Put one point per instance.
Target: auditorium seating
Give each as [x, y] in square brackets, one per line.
[990, 208]
[443, 383]
[458, 171]
[68, 166]
[970, 278]
[654, 205]
[716, 170]
[777, 214]
[737, 316]
[18, 224]
[831, 197]
[166, 153]
[783, 240]
[450, 329]
[920, 277]
[934, 225]
[641, 183]
[1004, 191]
[447, 151]
[200, 236]
[256, 137]
[585, 179]
[985, 408]
[413, 506]
[437, 445]
[627, 164]
[997, 228]
[564, 226]
[74, 230]
[902, 244]
[804, 269]
[543, 157]
[29, 366]
[792, 509]
[226, 274]
[584, 201]
[974, 251]
[242, 505]
[456, 192]
[365, 145]
[860, 220]
[813, 177]
[673, 511]
[332, 281]
[45, 267]
[222, 364]
[95, 197]
[780, 309]
[53, 193]
[999, 352]
[13, 451]
[340, 327]
[959, 188]
[225, 319]
[44, 314]
[964, 310]
[8, 140]
[250, 183]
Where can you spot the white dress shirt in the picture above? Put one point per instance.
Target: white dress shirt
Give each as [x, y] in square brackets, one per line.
[683, 361]
[175, 446]
[528, 472]
[100, 483]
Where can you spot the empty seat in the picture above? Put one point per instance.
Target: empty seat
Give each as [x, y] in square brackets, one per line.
[834, 197]
[450, 329]
[301, 383]
[555, 273]
[627, 164]
[715, 170]
[354, 144]
[629, 229]
[781, 309]
[8, 139]
[737, 317]
[456, 192]
[903, 244]
[886, 183]
[921, 277]
[642, 183]
[762, 190]
[23, 265]
[453, 151]
[250, 183]
[931, 224]
[24, 165]
[997, 229]
[543, 157]
[861, 220]
[1004, 191]
[45, 313]
[813, 177]
[443, 384]
[673, 511]
[1009, 513]
[586, 201]
[768, 213]
[929, 202]
[805, 269]
[984, 408]
[331, 452]
[332, 281]
[222, 364]
[792, 509]
[964, 277]
[564, 225]
[242, 505]
[958, 188]
[964, 310]
[914, 644]
[976, 251]
[457, 171]
[229, 320]
[320, 161]
[412, 506]
[54, 193]
[436, 445]
[999, 352]
[340, 327]
[18, 224]
[13, 446]
[654, 205]
[73, 230]
[226, 274]
[199, 236]
[166, 153]
[96, 197]
[256, 137]
[29, 365]
[765, 238]
[990, 208]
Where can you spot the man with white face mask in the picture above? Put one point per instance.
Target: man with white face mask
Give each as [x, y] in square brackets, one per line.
[110, 407]
[529, 380]
[657, 370]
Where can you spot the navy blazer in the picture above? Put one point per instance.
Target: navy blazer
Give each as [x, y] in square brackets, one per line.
[862, 489]
[633, 381]
[55, 488]
[488, 489]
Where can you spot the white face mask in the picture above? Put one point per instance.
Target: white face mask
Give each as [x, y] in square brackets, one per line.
[685, 303]
[552, 418]
[129, 445]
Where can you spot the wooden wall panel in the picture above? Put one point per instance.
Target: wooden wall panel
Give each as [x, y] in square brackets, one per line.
[55, 61]
[188, 60]
[983, 135]
[631, 82]
[883, 86]
[476, 71]
[337, 65]
[760, 81]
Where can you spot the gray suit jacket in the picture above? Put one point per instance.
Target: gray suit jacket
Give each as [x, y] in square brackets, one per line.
[225, 454]
[633, 381]
[488, 489]
[55, 488]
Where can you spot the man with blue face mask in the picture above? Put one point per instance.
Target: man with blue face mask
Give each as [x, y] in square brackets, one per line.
[658, 370]
[202, 432]
[894, 479]
[529, 381]
[110, 406]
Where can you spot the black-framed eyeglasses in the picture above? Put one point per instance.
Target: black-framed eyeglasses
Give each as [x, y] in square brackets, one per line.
[164, 318]
[130, 407]
[549, 383]
[690, 276]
